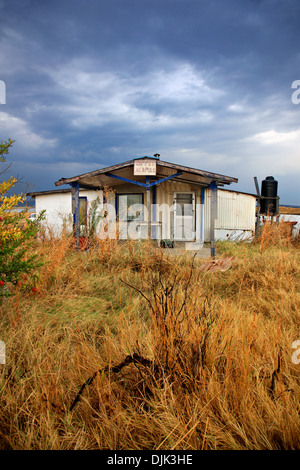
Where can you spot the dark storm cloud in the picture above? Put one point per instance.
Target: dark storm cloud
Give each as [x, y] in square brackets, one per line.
[203, 83]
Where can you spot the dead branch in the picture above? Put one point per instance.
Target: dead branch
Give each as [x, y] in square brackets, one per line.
[275, 374]
[135, 358]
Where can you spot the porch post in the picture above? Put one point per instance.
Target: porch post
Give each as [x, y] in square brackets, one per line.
[202, 215]
[154, 210]
[75, 211]
[213, 216]
[148, 207]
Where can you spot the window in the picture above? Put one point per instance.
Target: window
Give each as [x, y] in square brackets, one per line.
[130, 207]
[83, 210]
[184, 204]
[83, 216]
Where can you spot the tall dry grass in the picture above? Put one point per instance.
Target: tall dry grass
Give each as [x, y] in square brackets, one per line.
[289, 210]
[166, 356]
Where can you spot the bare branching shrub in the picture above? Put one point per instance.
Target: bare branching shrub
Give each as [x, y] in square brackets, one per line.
[180, 318]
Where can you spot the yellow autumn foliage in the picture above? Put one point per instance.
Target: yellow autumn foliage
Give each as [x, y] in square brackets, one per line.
[7, 204]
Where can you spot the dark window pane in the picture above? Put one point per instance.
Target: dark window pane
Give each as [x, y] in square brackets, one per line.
[130, 207]
[184, 204]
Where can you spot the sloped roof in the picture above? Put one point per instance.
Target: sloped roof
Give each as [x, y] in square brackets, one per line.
[100, 178]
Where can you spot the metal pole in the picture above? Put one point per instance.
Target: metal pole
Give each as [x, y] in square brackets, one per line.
[256, 185]
[258, 200]
[148, 208]
[154, 210]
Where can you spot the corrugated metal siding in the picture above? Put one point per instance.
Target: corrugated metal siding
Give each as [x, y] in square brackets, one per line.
[236, 211]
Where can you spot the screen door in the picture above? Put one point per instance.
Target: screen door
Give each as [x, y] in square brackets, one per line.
[184, 217]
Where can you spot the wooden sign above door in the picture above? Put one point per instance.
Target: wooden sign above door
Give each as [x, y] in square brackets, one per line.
[144, 167]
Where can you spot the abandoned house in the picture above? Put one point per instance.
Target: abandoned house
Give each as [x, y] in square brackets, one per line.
[150, 198]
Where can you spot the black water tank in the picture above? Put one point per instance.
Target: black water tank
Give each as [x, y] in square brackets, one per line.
[269, 205]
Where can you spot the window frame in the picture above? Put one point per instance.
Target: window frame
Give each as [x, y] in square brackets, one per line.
[130, 194]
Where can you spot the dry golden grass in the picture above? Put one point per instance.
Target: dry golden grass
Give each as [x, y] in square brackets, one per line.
[210, 353]
[289, 210]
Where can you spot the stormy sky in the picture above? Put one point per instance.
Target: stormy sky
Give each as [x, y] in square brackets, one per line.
[208, 84]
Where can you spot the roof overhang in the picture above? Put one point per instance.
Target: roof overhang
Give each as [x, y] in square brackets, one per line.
[123, 173]
[51, 191]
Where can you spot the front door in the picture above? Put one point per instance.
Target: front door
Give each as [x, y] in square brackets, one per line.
[184, 217]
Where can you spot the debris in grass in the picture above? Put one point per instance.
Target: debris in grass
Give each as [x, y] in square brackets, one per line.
[217, 265]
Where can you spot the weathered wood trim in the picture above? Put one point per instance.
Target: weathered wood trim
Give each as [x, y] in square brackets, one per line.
[195, 171]
[160, 163]
[93, 173]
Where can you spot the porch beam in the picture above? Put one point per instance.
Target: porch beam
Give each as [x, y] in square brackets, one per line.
[154, 183]
[193, 182]
[144, 185]
[127, 180]
[89, 187]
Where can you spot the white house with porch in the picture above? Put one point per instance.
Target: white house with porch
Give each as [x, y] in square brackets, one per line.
[150, 198]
